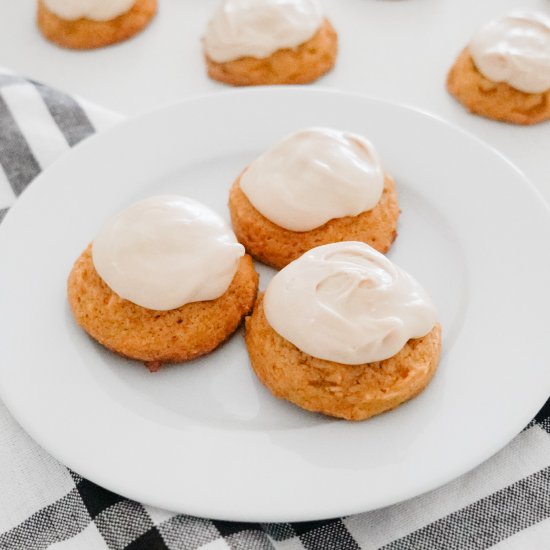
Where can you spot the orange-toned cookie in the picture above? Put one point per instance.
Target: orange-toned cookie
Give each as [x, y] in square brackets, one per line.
[83, 34]
[496, 100]
[157, 337]
[353, 392]
[305, 63]
[277, 246]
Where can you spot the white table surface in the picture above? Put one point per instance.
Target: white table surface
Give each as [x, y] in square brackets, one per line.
[394, 49]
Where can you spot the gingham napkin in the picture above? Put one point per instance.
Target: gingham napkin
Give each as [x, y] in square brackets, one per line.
[504, 504]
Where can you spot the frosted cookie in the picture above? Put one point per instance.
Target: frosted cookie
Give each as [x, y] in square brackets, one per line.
[254, 42]
[164, 281]
[344, 332]
[87, 24]
[504, 73]
[315, 187]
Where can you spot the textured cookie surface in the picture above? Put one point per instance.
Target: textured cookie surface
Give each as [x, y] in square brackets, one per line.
[157, 337]
[83, 34]
[276, 246]
[353, 392]
[496, 100]
[299, 65]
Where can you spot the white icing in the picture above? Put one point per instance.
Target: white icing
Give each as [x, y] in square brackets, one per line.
[96, 10]
[167, 251]
[313, 176]
[258, 28]
[347, 303]
[515, 49]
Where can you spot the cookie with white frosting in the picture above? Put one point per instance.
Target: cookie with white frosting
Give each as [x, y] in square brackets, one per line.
[255, 42]
[88, 24]
[164, 281]
[504, 73]
[344, 332]
[316, 186]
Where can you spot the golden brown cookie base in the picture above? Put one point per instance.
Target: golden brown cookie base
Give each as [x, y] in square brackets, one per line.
[353, 392]
[84, 34]
[496, 100]
[276, 246]
[299, 65]
[158, 337]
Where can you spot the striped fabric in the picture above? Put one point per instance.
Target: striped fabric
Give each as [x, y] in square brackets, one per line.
[504, 504]
[37, 125]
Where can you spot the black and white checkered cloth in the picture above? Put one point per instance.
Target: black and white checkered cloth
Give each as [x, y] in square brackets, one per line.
[504, 504]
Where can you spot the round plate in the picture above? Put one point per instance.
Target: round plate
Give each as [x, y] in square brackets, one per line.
[205, 438]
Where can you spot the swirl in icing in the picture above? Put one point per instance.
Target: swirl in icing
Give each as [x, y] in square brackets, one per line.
[314, 176]
[347, 303]
[258, 28]
[515, 49]
[167, 251]
[96, 10]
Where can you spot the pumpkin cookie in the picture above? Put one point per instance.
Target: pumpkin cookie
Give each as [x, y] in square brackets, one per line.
[289, 205]
[72, 25]
[269, 42]
[504, 73]
[329, 309]
[186, 270]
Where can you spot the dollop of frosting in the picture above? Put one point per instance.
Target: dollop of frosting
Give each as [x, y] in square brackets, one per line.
[258, 28]
[515, 49]
[313, 176]
[96, 10]
[347, 303]
[167, 251]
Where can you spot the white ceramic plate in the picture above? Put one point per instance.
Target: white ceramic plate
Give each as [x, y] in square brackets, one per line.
[206, 438]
